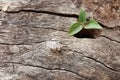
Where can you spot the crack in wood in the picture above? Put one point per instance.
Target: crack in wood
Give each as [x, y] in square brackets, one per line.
[58, 14]
[111, 28]
[10, 44]
[52, 69]
[102, 63]
[13, 44]
[45, 12]
[110, 68]
[109, 38]
[23, 43]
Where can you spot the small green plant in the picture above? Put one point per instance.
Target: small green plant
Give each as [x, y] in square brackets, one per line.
[82, 23]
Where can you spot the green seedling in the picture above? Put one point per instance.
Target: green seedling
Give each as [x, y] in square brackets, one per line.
[82, 23]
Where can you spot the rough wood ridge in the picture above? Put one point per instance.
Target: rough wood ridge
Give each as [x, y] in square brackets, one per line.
[35, 45]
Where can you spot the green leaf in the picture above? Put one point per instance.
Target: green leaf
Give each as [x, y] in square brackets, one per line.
[92, 24]
[82, 16]
[75, 28]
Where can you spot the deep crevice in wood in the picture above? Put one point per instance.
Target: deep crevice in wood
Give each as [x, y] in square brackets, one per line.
[45, 12]
[102, 63]
[109, 38]
[58, 14]
[52, 69]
